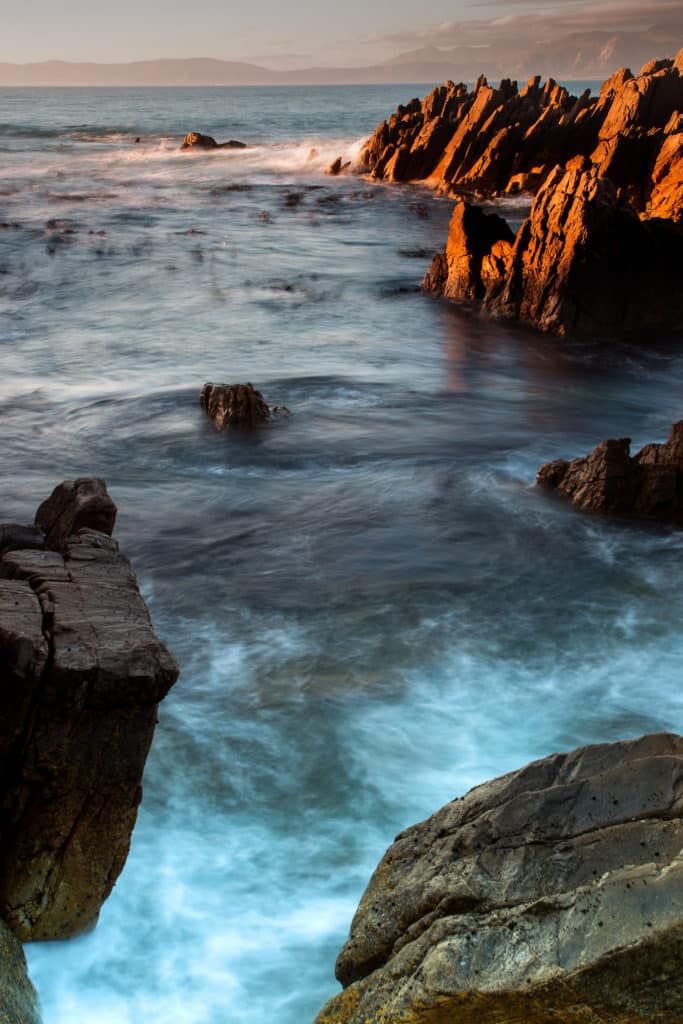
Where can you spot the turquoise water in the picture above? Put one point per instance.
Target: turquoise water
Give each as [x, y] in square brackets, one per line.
[372, 606]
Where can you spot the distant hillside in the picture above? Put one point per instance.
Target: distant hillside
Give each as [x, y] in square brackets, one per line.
[575, 56]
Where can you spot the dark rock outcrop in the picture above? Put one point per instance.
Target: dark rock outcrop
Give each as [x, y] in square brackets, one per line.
[83, 673]
[612, 482]
[234, 405]
[551, 894]
[18, 1000]
[583, 262]
[491, 141]
[195, 140]
[338, 166]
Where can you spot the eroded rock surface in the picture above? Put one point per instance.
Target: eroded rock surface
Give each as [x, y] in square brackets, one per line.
[18, 1000]
[234, 405]
[551, 894]
[83, 673]
[583, 262]
[612, 482]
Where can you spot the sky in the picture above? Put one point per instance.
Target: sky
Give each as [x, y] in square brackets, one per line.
[298, 33]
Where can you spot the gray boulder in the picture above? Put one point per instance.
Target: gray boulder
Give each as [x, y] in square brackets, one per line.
[554, 893]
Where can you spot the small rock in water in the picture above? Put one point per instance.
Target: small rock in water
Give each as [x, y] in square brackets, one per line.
[338, 166]
[234, 405]
[195, 140]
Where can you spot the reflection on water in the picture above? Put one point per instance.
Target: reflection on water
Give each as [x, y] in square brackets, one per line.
[372, 606]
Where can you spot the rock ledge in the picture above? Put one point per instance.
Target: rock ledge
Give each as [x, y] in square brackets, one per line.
[83, 673]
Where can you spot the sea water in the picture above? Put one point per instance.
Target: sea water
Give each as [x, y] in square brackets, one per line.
[372, 605]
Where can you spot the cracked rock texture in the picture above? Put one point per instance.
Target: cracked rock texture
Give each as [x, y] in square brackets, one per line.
[613, 482]
[83, 673]
[551, 894]
[18, 1000]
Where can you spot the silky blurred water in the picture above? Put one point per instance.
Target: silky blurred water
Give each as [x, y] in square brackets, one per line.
[372, 606]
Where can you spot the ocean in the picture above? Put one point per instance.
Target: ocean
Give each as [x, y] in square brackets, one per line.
[372, 605]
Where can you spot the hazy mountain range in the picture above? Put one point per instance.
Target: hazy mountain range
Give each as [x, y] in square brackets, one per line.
[579, 43]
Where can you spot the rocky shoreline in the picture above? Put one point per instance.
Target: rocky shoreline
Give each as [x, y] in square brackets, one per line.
[600, 251]
[83, 676]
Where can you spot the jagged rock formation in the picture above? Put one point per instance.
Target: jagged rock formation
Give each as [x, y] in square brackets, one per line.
[18, 1000]
[234, 405]
[497, 140]
[583, 262]
[611, 481]
[83, 673]
[195, 140]
[551, 894]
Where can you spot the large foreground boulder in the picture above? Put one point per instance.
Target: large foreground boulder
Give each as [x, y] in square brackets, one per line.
[18, 1000]
[83, 673]
[583, 262]
[552, 894]
[613, 482]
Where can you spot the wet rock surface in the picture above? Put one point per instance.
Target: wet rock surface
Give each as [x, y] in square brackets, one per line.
[547, 895]
[83, 673]
[612, 482]
[234, 405]
[18, 1000]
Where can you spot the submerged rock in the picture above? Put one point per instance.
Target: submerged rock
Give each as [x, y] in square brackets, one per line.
[18, 999]
[611, 481]
[195, 140]
[234, 405]
[83, 673]
[551, 894]
[583, 262]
